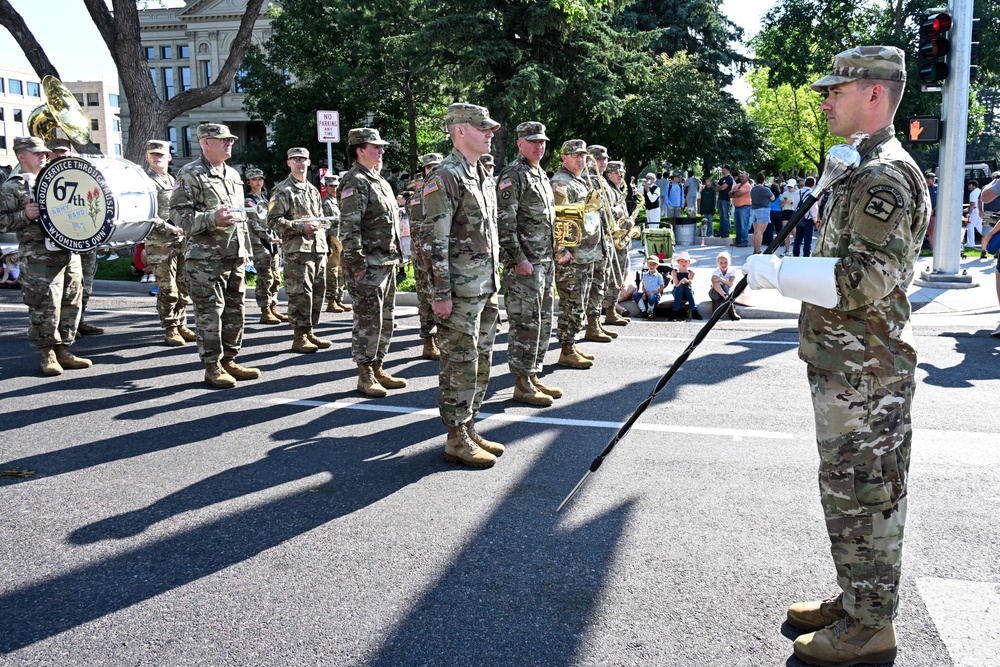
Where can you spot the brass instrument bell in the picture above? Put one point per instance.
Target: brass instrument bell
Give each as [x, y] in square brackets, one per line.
[60, 110]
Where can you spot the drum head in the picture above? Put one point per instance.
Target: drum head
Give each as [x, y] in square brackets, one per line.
[77, 208]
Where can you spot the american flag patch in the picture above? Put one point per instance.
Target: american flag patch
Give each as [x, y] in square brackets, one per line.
[504, 184]
[414, 202]
[349, 192]
[430, 187]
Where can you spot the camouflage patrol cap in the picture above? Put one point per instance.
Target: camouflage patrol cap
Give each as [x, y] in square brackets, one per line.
[574, 147]
[430, 158]
[254, 173]
[532, 131]
[597, 151]
[331, 178]
[615, 167]
[298, 151]
[59, 145]
[157, 146]
[476, 116]
[29, 145]
[883, 63]
[486, 159]
[364, 135]
[215, 131]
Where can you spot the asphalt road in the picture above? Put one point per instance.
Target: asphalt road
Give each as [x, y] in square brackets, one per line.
[291, 521]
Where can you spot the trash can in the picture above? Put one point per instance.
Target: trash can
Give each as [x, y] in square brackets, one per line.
[658, 241]
[685, 233]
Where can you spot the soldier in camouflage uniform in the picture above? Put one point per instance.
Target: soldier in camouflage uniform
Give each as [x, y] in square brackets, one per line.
[856, 337]
[460, 209]
[165, 250]
[304, 245]
[419, 246]
[334, 275]
[607, 273]
[51, 278]
[525, 220]
[616, 175]
[266, 251]
[575, 264]
[488, 167]
[217, 248]
[369, 230]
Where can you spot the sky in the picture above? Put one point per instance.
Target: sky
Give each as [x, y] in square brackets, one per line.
[69, 37]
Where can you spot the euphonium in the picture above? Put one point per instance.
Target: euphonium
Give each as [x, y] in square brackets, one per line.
[569, 224]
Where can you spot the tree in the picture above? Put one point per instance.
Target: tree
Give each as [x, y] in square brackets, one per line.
[120, 31]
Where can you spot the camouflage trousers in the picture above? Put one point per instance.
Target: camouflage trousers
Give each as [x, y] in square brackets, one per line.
[610, 289]
[466, 342]
[88, 265]
[422, 281]
[52, 289]
[864, 434]
[529, 301]
[334, 274]
[268, 279]
[171, 287]
[373, 298]
[217, 287]
[595, 295]
[573, 282]
[305, 285]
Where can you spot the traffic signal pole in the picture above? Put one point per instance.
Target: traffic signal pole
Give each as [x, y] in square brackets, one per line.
[948, 239]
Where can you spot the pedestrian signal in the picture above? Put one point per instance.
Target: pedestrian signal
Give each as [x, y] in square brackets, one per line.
[932, 68]
[923, 129]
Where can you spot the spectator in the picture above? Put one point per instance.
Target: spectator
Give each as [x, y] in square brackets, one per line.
[141, 266]
[804, 230]
[773, 229]
[723, 280]
[707, 208]
[691, 189]
[991, 192]
[760, 213]
[675, 199]
[724, 189]
[663, 182]
[789, 202]
[652, 289]
[11, 272]
[975, 213]
[932, 189]
[651, 200]
[741, 202]
[683, 277]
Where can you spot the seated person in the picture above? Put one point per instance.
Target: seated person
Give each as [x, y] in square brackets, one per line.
[723, 281]
[682, 277]
[652, 288]
[9, 271]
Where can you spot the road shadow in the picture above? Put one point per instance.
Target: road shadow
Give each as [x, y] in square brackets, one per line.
[978, 363]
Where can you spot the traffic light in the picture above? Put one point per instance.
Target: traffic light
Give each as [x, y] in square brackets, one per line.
[932, 68]
[973, 61]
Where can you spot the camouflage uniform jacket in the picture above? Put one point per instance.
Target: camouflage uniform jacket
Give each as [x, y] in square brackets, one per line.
[369, 220]
[293, 199]
[258, 227]
[419, 234]
[200, 190]
[160, 234]
[570, 189]
[13, 198]
[331, 209]
[460, 209]
[875, 222]
[526, 215]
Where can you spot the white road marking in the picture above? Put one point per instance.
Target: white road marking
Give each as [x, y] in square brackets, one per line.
[737, 341]
[967, 617]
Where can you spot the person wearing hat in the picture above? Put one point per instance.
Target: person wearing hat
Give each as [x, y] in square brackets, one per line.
[419, 241]
[487, 161]
[526, 228]
[460, 210]
[788, 202]
[218, 247]
[51, 278]
[575, 262]
[615, 173]
[334, 275]
[165, 251]
[608, 274]
[652, 288]
[856, 339]
[651, 200]
[59, 147]
[682, 281]
[369, 231]
[266, 247]
[932, 190]
[293, 213]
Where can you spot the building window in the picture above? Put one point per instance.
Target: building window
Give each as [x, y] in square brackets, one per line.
[93, 100]
[182, 52]
[34, 90]
[97, 146]
[167, 52]
[168, 82]
[18, 116]
[3, 142]
[150, 52]
[185, 78]
[189, 140]
[94, 125]
[238, 81]
[118, 149]
[206, 73]
[172, 138]
[1, 114]
[152, 75]
[2, 89]
[113, 100]
[15, 87]
[79, 98]
[117, 125]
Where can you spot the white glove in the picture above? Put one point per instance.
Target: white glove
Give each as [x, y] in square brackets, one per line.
[762, 271]
[809, 279]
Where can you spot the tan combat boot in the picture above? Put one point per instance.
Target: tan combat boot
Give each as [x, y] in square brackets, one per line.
[321, 343]
[494, 448]
[343, 306]
[70, 361]
[367, 384]
[188, 335]
[431, 349]
[274, 311]
[586, 355]
[230, 366]
[50, 366]
[301, 343]
[613, 319]
[268, 317]
[384, 379]
[459, 448]
[87, 329]
[569, 357]
[526, 392]
[847, 643]
[333, 307]
[594, 331]
[606, 332]
[215, 376]
[816, 614]
[172, 337]
[554, 392]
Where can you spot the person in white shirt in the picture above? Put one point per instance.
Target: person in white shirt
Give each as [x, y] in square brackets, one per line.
[975, 214]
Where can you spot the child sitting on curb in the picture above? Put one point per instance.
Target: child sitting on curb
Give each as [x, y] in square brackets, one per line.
[723, 280]
[652, 288]
[683, 276]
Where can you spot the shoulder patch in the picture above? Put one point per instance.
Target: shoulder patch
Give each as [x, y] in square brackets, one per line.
[881, 213]
[883, 200]
[349, 192]
[504, 184]
[432, 186]
[176, 185]
[561, 189]
[414, 201]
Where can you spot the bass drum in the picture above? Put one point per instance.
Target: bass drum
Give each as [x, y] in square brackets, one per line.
[86, 201]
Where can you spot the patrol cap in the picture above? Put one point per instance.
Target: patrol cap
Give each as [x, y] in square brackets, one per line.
[298, 151]
[597, 151]
[254, 173]
[58, 145]
[476, 116]
[157, 146]
[428, 159]
[615, 167]
[487, 159]
[930, 174]
[364, 135]
[29, 145]
[532, 131]
[574, 147]
[331, 178]
[882, 63]
[215, 131]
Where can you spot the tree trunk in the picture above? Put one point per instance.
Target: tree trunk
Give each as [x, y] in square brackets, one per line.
[411, 117]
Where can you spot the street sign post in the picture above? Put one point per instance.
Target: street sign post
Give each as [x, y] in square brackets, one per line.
[328, 132]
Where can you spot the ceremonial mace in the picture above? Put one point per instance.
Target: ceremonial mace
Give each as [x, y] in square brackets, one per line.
[840, 161]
